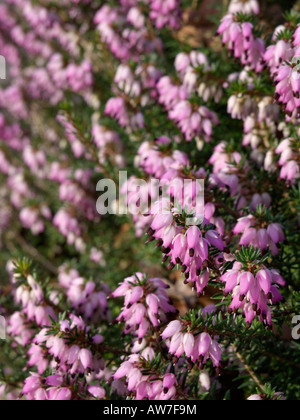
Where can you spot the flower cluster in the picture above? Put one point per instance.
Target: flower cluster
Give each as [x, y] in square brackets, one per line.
[247, 7]
[242, 43]
[193, 69]
[289, 159]
[192, 119]
[259, 235]
[165, 13]
[34, 305]
[146, 386]
[132, 87]
[197, 348]
[283, 59]
[58, 388]
[88, 299]
[187, 247]
[156, 161]
[253, 286]
[123, 29]
[146, 304]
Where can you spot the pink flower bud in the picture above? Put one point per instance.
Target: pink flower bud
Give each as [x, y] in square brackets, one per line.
[64, 394]
[143, 328]
[98, 339]
[41, 395]
[140, 311]
[54, 380]
[179, 246]
[262, 238]
[96, 391]
[123, 370]
[162, 220]
[73, 354]
[277, 278]
[31, 384]
[265, 280]
[136, 294]
[188, 344]
[152, 301]
[85, 357]
[249, 237]
[169, 381]
[276, 233]
[175, 342]
[215, 240]
[215, 353]
[231, 278]
[203, 249]
[247, 29]
[276, 295]
[193, 236]
[255, 398]
[243, 224]
[204, 344]
[143, 391]
[173, 328]
[246, 282]
[182, 62]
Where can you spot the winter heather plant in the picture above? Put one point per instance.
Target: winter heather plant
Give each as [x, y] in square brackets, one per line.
[198, 100]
